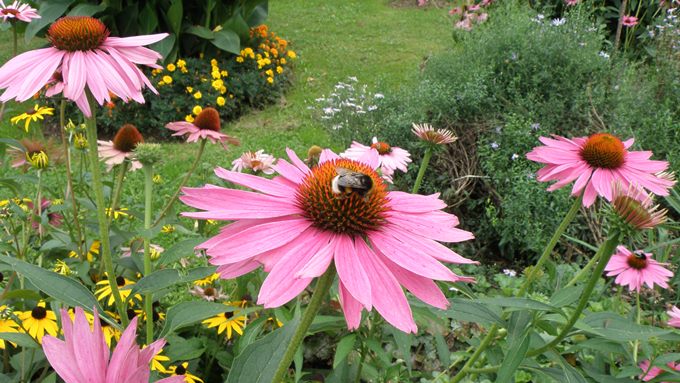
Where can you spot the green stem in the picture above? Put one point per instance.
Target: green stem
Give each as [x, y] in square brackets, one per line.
[638, 318]
[80, 240]
[585, 268]
[607, 251]
[619, 26]
[38, 203]
[482, 346]
[172, 200]
[551, 245]
[118, 187]
[91, 124]
[320, 291]
[421, 171]
[148, 298]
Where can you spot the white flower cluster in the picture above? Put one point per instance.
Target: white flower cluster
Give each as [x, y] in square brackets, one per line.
[348, 101]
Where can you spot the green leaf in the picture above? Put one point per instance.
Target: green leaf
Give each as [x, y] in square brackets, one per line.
[470, 311]
[31, 295]
[10, 184]
[250, 334]
[227, 40]
[148, 21]
[571, 375]
[62, 288]
[21, 339]
[513, 357]
[180, 250]
[613, 327]
[201, 31]
[604, 378]
[344, 347]
[187, 313]
[516, 303]
[259, 15]
[565, 297]
[442, 350]
[175, 15]
[237, 24]
[49, 11]
[86, 9]
[323, 323]
[164, 278]
[259, 361]
[165, 46]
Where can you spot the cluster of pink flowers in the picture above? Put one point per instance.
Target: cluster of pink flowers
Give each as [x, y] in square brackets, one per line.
[470, 14]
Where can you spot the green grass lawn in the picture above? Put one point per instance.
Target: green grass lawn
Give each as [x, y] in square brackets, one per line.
[380, 44]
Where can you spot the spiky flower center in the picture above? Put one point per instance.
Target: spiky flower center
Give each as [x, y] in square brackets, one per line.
[602, 150]
[39, 312]
[9, 11]
[637, 260]
[180, 370]
[127, 138]
[209, 292]
[120, 281]
[208, 119]
[349, 212]
[382, 147]
[77, 33]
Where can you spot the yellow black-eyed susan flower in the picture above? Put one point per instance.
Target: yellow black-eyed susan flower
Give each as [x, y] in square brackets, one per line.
[38, 113]
[230, 321]
[104, 290]
[94, 250]
[39, 321]
[7, 324]
[207, 280]
[157, 362]
[182, 369]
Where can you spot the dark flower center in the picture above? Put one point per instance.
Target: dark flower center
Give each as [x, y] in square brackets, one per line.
[180, 370]
[130, 313]
[120, 281]
[77, 33]
[637, 260]
[2, 277]
[10, 11]
[208, 119]
[39, 312]
[229, 314]
[602, 150]
[358, 207]
[127, 138]
[382, 147]
[209, 291]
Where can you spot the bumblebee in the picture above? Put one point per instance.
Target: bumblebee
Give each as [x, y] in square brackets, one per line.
[348, 182]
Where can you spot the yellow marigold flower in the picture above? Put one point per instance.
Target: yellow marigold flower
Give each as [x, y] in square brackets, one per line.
[269, 73]
[207, 280]
[181, 63]
[38, 160]
[189, 118]
[190, 89]
[283, 61]
[161, 83]
[223, 90]
[239, 59]
[38, 113]
[258, 56]
[260, 64]
[157, 179]
[184, 69]
[171, 67]
[167, 229]
[183, 370]
[292, 55]
[279, 69]
[167, 79]
[216, 74]
[266, 54]
[198, 95]
[213, 62]
[224, 73]
[62, 268]
[196, 110]
[221, 101]
[38, 321]
[267, 61]
[155, 72]
[217, 84]
[248, 51]
[270, 80]
[229, 321]
[231, 96]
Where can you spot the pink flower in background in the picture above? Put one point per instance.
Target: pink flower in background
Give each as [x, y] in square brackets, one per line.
[255, 161]
[340, 212]
[391, 158]
[596, 163]
[17, 11]
[121, 148]
[571, 3]
[422, 3]
[206, 126]
[473, 7]
[674, 314]
[84, 357]
[629, 21]
[633, 269]
[455, 11]
[55, 219]
[433, 136]
[464, 24]
[86, 57]
[651, 373]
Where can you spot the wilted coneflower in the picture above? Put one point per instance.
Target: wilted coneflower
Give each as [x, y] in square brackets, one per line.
[306, 221]
[595, 163]
[636, 209]
[121, 148]
[209, 293]
[83, 356]
[36, 154]
[207, 125]
[633, 269]
[87, 57]
[17, 11]
[391, 157]
[433, 136]
[255, 161]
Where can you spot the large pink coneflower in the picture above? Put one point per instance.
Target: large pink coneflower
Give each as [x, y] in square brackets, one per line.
[629, 21]
[596, 163]
[633, 269]
[121, 148]
[206, 125]
[391, 157]
[651, 373]
[674, 314]
[83, 356]
[340, 212]
[17, 11]
[82, 56]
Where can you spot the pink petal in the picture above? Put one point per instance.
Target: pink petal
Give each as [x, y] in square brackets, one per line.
[348, 263]
[351, 307]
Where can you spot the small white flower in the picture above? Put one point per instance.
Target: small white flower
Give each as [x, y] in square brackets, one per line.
[328, 111]
[514, 156]
[535, 126]
[510, 272]
[558, 22]
[604, 54]
[494, 145]
[320, 99]
[372, 108]
[353, 78]
[379, 95]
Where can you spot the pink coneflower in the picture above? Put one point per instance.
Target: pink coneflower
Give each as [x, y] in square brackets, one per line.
[206, 125]
[465, 23]
[633, 269]
[455, 11]
[83, 355]
[256, 161]
[629, 21]
[596, 162]
[391, 157]
[651, 373]
[208, 293]
[121, 148]
[674, 314]
[571, 3]
[17, 11]
[433, 136]
[297, 223]
[85, 56]
[636, 208]
[55, 219]
[473, 7]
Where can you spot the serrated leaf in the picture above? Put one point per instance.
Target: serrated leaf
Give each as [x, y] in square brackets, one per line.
[344, 347]
[258, 362]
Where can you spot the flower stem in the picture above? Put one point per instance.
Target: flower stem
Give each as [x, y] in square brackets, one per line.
[148, 303]
[172, 200]
[421, 171]
[551, 245]
[619, 26]
[115, 198]
[606, 254]
[91, 126]
[38, 203]
[320, 291]
[638, 318]
[80, 240]
[585, 268]
[482, 346]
